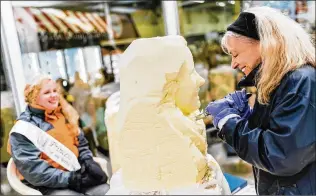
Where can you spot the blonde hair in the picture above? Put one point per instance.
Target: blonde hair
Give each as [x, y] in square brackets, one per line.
[236, 35]
[33, 87]
[284, 47]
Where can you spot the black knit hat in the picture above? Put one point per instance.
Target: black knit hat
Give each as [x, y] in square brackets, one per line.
[245, 25]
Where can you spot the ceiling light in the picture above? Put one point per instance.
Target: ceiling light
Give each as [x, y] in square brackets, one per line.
[221, 4]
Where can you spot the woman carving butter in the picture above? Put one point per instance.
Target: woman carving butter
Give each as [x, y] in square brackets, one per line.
[45, 138]
[277, 136]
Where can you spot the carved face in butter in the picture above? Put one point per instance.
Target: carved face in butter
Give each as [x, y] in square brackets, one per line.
[159, 147]
[187, 98]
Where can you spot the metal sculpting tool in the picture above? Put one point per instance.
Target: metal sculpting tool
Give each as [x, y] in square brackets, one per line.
[202, 115]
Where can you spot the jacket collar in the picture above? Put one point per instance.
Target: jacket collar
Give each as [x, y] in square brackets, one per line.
[45, 114]
[250, 79]
[36, 111]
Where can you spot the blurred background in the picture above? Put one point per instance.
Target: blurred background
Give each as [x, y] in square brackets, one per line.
[80, 42]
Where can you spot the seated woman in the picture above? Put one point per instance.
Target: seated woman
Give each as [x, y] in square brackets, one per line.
[161, 147]
[49, 150]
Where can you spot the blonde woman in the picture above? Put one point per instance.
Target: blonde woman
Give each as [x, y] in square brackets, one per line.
[47, 147]
[277, 135]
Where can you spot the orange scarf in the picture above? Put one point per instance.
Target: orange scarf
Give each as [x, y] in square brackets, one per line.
[49, 114]
[62, 131]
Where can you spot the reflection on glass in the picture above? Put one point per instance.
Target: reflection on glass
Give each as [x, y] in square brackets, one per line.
[93, 62]
[52, 63]
[75, 62]
[30, 65]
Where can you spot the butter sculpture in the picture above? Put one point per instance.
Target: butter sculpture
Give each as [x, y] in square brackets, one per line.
[112, 107]
[161, 148]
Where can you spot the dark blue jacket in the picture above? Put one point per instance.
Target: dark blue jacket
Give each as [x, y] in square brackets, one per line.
[36, 171]
[279, 139]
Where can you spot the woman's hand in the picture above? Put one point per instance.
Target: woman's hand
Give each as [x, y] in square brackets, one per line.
[239, 101]
[95, 170]
[89, 175]
[220, 109]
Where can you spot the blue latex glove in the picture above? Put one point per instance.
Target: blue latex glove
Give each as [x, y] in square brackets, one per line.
[219, 109]
[239, 101]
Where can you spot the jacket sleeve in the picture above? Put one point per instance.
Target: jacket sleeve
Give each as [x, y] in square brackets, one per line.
[289, 143]
[84, 151]
[35, 170]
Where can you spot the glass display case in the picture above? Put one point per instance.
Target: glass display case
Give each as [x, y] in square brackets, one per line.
[31, 65]
[93, 63]
[53, 64]
[75, 63]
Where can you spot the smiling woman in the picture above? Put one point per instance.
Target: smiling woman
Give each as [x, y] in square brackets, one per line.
[277, 135]
[245, 51]
[48, 96]
[48, 148]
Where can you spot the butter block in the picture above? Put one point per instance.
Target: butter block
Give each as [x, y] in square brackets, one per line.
[158, 143]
